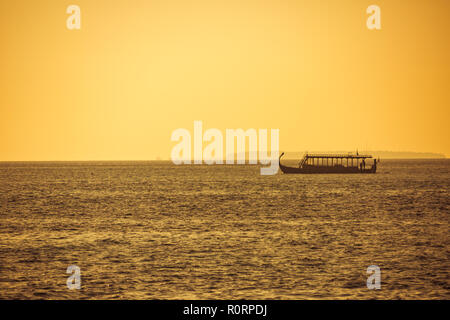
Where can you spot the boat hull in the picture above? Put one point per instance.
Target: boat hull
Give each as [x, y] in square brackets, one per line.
[291, 170]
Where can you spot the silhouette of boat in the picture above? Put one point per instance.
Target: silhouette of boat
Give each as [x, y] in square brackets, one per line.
[331, 163]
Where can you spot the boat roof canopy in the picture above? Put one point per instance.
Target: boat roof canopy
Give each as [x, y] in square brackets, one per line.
[341, 156]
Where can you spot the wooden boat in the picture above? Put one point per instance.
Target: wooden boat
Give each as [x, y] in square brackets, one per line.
[331, 163]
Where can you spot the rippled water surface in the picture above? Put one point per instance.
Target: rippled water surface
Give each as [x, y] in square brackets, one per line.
[152, 230]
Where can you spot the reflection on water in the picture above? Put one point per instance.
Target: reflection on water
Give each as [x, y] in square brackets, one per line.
[143, 230]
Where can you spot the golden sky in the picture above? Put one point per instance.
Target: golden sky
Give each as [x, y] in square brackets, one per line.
[137, 70]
